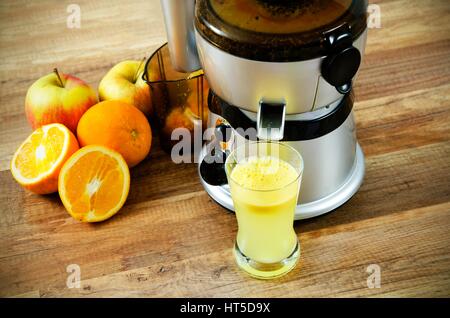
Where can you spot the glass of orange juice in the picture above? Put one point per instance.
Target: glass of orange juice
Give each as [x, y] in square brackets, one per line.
[264, 179]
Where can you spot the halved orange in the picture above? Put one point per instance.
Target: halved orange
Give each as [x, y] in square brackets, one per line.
[38, 161]
[94, 183]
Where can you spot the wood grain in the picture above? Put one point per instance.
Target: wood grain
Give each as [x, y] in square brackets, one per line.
[171, 239]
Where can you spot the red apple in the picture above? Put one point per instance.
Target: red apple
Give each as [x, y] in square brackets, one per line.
[58, 98]
[124, 82]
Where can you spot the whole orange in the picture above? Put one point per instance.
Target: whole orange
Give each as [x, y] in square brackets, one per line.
[118, 126]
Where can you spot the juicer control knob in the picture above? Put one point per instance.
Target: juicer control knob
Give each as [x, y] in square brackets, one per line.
[341, 65]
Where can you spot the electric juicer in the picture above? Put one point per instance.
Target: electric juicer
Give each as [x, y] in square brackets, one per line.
[284, 70]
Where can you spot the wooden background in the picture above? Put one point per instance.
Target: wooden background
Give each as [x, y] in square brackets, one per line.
[171, 239]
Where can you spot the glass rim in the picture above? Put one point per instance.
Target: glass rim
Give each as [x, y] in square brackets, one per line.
[147, 79]
[299, 174]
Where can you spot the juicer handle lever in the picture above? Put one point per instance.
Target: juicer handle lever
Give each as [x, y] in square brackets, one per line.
[343, 62]
[223, 132]
[212, 167]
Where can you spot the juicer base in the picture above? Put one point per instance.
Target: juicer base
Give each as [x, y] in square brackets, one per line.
[221, 194]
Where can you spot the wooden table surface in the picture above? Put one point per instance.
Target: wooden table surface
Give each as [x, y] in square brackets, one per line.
[171, 239]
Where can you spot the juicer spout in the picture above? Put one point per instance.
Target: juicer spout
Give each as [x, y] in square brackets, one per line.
[270, 121]
[179, 21]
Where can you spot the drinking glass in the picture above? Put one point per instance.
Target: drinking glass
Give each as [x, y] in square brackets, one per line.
[264, 180]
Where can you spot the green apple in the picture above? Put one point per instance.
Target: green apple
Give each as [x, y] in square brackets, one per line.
[58, 98]
[124, 82]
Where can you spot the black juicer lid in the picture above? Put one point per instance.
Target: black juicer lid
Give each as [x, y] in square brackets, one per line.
[278, 30]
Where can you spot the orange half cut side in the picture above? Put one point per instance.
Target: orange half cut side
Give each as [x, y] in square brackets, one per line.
[38, 161]
[94, 183]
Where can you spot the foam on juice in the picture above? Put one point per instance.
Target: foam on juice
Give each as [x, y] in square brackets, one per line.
[263, 173]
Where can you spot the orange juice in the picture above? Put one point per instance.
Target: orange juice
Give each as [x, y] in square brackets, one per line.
[264, 191]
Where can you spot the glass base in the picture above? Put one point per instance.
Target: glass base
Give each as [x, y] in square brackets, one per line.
[266, 270]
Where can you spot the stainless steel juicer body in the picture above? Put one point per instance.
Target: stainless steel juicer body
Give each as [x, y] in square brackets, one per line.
[305, 77]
